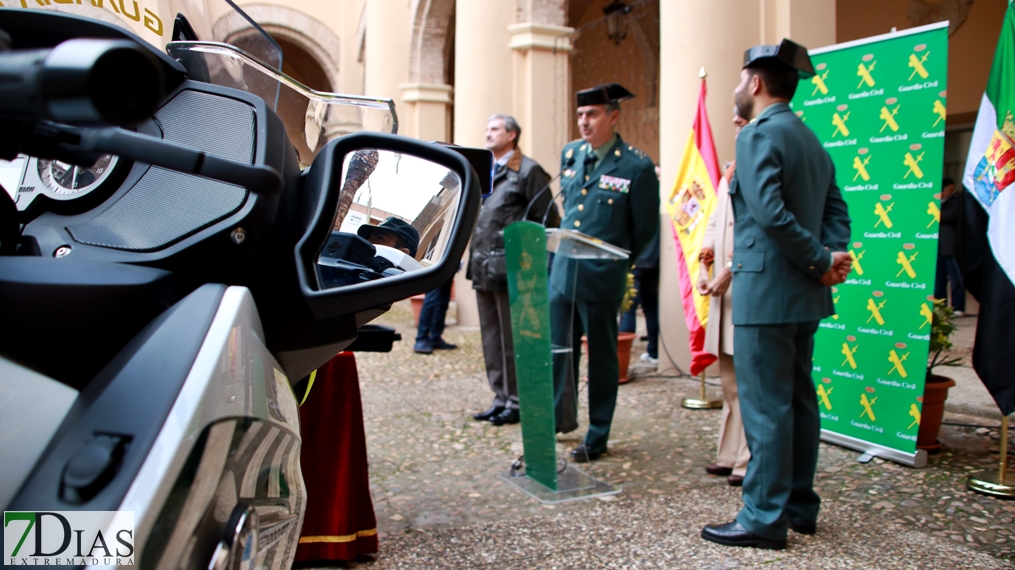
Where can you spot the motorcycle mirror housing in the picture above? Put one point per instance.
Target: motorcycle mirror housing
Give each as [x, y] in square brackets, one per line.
[371, 192]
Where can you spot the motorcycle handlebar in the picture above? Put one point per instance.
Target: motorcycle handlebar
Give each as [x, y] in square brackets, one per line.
[81, 82]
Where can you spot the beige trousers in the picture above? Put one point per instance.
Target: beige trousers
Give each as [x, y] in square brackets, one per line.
[733, 450]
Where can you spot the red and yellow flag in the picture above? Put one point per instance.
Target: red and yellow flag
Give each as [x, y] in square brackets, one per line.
[690, 204]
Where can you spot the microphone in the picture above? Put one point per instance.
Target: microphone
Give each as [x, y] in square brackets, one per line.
[568, 164]
[588, 160]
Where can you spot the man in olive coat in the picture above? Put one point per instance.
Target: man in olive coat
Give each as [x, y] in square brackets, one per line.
[791, 229]
[519, 185]
[610, 192]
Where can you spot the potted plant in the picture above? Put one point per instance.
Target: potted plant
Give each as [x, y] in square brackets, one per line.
[935, 390]
[625, 340]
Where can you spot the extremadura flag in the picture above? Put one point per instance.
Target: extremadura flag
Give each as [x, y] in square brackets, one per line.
[989, 225]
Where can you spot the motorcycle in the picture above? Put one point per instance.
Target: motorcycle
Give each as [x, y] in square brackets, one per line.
[175, 254]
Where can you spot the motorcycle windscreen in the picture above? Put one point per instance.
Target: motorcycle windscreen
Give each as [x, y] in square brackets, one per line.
[394, 216]
[312, 118]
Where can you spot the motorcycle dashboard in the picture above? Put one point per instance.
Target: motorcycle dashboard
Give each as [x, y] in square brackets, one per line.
[32, 182]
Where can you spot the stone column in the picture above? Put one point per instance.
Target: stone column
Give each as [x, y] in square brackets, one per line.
[713, 34]
[542, 89]
[387, 51]
[426, 112]
[483, 71]
[483, 86]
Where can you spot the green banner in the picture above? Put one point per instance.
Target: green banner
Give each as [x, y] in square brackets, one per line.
[525, 255]
[878, 107]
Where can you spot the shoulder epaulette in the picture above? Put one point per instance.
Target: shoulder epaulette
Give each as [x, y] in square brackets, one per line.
[637, 152]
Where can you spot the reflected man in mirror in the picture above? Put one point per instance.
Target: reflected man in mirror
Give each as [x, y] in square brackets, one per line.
[611, 192]
[517, 181]
[393, 232]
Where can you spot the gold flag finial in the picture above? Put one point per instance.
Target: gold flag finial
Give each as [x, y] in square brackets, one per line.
[702, 73]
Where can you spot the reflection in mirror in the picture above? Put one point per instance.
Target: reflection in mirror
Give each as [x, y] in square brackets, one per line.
[395, 213]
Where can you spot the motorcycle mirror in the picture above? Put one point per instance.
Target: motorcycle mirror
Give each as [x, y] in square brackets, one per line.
[393, 216]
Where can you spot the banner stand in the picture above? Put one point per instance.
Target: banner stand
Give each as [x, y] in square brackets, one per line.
[878, 106]
[917, 459]
[538, 474]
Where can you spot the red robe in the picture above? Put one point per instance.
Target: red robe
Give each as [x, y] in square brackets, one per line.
[340, 522]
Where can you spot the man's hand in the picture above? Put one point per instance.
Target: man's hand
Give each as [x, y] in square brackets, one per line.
[706, 256]
[842, 264]
[721, 283]
[702, 284]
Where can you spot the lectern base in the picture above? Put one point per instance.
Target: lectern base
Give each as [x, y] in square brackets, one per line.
[573, 484]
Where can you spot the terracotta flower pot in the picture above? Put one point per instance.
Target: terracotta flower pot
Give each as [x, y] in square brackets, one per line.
[624, 342]
[935, 393]
[417, 307]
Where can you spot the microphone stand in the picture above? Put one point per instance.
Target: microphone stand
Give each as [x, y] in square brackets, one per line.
[525, 216]
[588, 160]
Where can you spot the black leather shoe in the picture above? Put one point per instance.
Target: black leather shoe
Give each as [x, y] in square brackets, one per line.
[803, 528]
[441, 344]
[422, 347]
[732, 534]
[506, 417]
[582, 454]
[485, 416]
[716, 469]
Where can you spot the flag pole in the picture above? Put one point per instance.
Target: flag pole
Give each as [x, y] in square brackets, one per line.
[1003, 485]
[702, 403]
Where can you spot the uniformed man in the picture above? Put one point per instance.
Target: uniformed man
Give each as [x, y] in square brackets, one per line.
[790, 233]
[610, 192]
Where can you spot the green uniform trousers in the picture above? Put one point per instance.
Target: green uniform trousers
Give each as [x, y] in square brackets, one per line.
[781, 422]
[568, 321]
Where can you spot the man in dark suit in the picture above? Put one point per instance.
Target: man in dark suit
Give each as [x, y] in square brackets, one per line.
[518, 193]
[947, 267]
[611, 192]
[791, 230]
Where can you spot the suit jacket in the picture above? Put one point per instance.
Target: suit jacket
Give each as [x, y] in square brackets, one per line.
[514, 187]
[617, 202]
[719, 237]
[951, 218]
[787, 210]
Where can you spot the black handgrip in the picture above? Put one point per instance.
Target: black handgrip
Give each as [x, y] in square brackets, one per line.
[81, 82]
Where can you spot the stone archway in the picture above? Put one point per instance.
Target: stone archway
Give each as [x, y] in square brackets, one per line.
[427, 94]
[432, 33]
[292, 27]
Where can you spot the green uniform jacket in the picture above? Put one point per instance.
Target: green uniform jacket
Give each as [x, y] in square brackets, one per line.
[787, 209]
[618, 202]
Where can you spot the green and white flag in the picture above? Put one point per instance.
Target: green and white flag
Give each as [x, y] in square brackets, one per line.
[989, 235]
[990, 168]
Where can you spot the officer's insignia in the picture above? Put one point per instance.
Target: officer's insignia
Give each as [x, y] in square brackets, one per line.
[617, 152]
[615, 184]
[569, 153]
[569, 173]
[637, 152]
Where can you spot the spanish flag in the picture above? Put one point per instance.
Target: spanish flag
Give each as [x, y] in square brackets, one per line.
[691, 202]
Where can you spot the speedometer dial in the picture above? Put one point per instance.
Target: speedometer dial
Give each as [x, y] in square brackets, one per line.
[64, 181]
